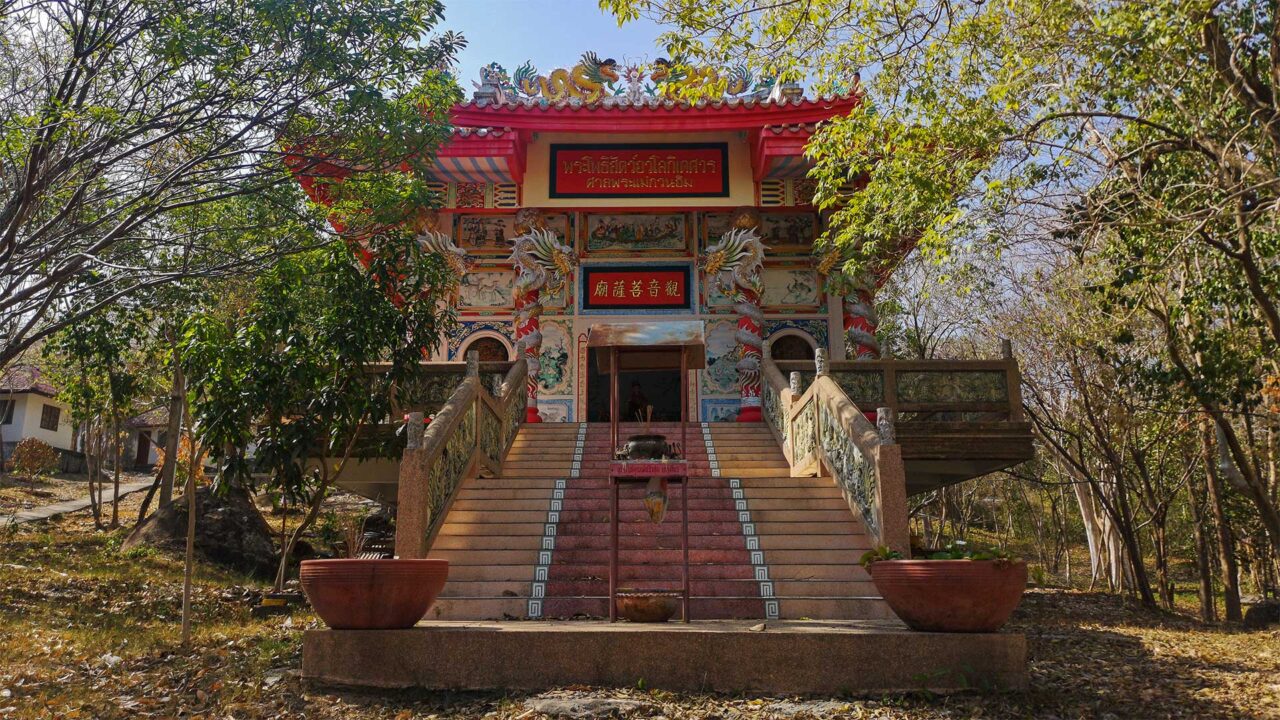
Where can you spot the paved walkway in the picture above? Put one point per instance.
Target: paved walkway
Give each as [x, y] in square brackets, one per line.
[44, 512]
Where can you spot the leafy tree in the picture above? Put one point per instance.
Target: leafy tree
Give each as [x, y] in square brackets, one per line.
[1142, 139]
[101, 368]
[117, 118]
[289, 374]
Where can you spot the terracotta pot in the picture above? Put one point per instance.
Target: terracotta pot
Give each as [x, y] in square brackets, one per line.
[642, 606]
[951, 595]
[353, 594]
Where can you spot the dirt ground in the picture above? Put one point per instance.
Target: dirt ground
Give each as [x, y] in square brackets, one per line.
[89, 632]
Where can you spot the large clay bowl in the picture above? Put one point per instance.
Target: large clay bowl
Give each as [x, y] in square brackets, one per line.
[353, 594]
[647, 607]
[951, 595]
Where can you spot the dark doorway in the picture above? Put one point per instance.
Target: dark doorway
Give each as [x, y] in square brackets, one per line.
[659, 388]
[490, 349]
[144, 449]
[791, 347]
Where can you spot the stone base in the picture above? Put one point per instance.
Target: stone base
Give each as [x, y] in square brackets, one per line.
[789, 657]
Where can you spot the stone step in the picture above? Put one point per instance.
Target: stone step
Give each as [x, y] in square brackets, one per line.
[647, 556]
[670, 541]
[472, 491]
[811, 571]
[850, 608]
[576, 503]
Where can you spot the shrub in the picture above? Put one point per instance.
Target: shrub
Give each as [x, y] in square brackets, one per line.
[33, 456]
[184, 461]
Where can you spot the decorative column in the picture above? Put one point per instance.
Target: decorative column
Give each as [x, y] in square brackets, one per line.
[857, 301]
[736, 263]
[541, 261]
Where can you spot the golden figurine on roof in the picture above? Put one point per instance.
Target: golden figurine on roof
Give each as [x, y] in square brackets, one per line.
[594, 79]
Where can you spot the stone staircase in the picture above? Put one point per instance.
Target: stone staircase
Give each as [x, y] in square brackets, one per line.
[535, 542]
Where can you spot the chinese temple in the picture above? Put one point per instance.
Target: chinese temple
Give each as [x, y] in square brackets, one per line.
[630, 196]
[590, 207]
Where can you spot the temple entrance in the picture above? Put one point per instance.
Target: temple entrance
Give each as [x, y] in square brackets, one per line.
[659, 388]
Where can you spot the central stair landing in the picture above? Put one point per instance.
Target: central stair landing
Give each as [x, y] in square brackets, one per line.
[534, 543]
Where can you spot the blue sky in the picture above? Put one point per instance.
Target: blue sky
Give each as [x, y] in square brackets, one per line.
[551, 33]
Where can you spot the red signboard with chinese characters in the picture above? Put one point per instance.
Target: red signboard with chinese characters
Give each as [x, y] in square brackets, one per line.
[635, 288]
[646, 170]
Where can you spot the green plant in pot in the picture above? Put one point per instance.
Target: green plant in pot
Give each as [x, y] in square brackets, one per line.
[959, 588]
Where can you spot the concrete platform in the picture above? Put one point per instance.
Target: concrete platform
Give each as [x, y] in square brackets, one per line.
[794, 657]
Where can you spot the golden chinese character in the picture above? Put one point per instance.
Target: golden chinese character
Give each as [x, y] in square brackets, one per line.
[619, 288]
[602, 288]
[653, 288]
[672, 289]
[636, 288]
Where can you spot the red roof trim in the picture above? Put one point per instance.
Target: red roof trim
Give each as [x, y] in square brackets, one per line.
[678, 117]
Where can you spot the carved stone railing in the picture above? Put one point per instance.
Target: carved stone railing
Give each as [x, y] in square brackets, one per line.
[471, 434]
[819, 427]
[927, 390]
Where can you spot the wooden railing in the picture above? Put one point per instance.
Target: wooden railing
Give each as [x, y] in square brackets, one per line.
[819, 426]
[470, 434]
[926, 390]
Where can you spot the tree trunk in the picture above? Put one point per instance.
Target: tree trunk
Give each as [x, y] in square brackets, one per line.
[1204, 572]
[1226, 541]
[173, 435]
[327, 479]
[189, 561]
[115, 498]
[1092, 531]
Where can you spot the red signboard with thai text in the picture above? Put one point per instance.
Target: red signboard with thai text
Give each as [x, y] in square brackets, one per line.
[635, 288]
[640, 170]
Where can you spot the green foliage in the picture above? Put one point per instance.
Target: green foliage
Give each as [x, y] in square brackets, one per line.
[118, 122]
[962, 550]
[100, 364]
[287, 373]
[877, 554]
[34, 457]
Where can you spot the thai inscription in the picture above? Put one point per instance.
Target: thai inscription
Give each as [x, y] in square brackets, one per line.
[654, 170]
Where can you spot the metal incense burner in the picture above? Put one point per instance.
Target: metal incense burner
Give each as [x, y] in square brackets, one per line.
[652, 447]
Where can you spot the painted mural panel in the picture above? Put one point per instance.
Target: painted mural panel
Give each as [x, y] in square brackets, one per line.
[490, 234]
[487, 288]
[783, 232]
[555, 373]
[721, 375]
[720, 409]
[631, 233]
[555, 410]
[791, 287]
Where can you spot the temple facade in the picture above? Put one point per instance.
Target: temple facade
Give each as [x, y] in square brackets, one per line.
[593, 197]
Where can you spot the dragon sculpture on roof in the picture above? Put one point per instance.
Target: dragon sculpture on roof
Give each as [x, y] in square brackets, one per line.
[594, 79]
[586, 81]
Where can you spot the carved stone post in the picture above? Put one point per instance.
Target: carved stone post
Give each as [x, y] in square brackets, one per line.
[736, 262]
[885, 423]
[821, 364]
[540, 260]
[796, 383]
[413, 430]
